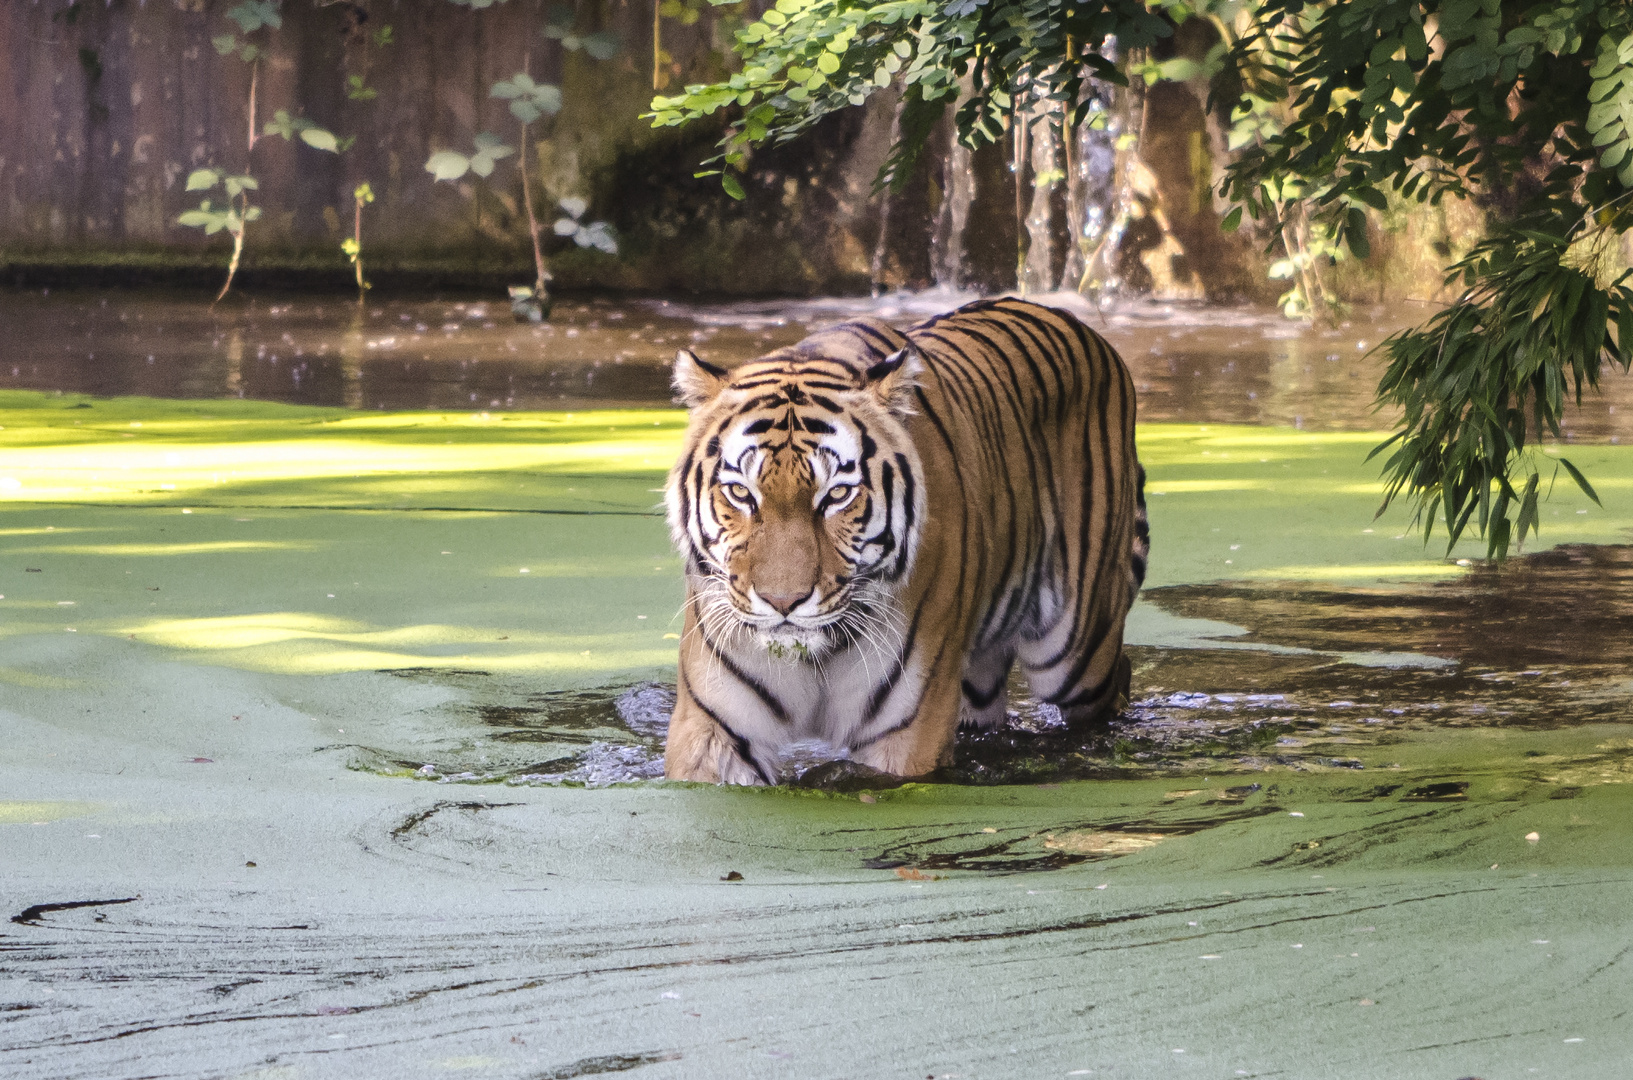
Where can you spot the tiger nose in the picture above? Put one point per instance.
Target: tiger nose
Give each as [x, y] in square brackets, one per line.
[783, 602]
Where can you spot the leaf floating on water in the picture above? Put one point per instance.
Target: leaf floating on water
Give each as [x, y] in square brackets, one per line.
[732, 876]
[1083, 842]
[908, 873]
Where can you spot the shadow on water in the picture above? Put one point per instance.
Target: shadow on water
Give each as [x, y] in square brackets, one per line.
[1538, 644]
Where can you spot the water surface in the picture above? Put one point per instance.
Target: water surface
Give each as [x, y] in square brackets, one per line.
[1323, 679]
[1190, 362]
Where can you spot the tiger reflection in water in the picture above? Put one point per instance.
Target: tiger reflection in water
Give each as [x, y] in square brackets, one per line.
[878, 524]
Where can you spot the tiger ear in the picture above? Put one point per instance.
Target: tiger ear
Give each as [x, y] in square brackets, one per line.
[893, 380]
[696, 381]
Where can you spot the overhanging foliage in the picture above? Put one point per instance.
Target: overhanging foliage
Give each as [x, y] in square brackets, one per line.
[1526, 105]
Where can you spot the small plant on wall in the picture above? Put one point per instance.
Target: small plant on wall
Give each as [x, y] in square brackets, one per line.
[352, 246]
[529, 101]
[532, 101]
[255, 20]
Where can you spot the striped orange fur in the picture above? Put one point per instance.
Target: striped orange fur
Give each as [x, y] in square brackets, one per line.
[878, 525]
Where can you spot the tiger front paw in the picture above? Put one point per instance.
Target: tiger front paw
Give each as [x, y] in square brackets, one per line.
[704, 753]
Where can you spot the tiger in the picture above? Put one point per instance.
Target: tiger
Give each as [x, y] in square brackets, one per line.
[876, 525]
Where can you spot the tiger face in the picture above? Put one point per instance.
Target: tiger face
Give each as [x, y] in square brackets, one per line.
[797, 501]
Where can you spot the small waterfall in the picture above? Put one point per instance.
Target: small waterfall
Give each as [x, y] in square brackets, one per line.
[957, 187]
[1057, 206]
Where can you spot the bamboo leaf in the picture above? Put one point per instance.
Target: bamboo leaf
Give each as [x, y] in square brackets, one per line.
[1581, 481]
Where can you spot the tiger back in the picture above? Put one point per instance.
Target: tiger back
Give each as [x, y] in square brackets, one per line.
[878, 525]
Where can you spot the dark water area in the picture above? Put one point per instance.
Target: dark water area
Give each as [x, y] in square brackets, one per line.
[1537, 645]
[1191, 363]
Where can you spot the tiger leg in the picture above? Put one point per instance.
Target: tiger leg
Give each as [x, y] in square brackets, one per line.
[704, 749]
[1106, 703]
[922, 743]
[985, 689]
[1088, 684]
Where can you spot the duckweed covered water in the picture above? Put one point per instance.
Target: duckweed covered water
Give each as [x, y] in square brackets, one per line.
[302, 709]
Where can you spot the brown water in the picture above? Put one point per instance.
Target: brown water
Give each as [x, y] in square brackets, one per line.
[1190, 362]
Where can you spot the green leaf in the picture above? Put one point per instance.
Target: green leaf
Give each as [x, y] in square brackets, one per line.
[598, 235]
[202, 218]
[447, 165]
[547, 98]
[1527, 520]
[1233, 220]
[286, 126]
[1355, 233]
[199, 179]
[489, 149]
[732, 186]
[1581, 481]
[251, 15]
[319, 139]
[224, 43]
[603, 45]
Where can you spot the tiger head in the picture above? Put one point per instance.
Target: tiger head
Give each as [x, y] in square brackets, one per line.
[798, 499]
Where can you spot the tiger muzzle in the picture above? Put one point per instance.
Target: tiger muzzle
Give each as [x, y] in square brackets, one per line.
[785, 561]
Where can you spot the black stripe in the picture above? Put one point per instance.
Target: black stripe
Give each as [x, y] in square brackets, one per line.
[909, 515]
[760, 690]
[744, 751]
[982, 698]
[884, 539]
[882, 692]
[881, 338]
